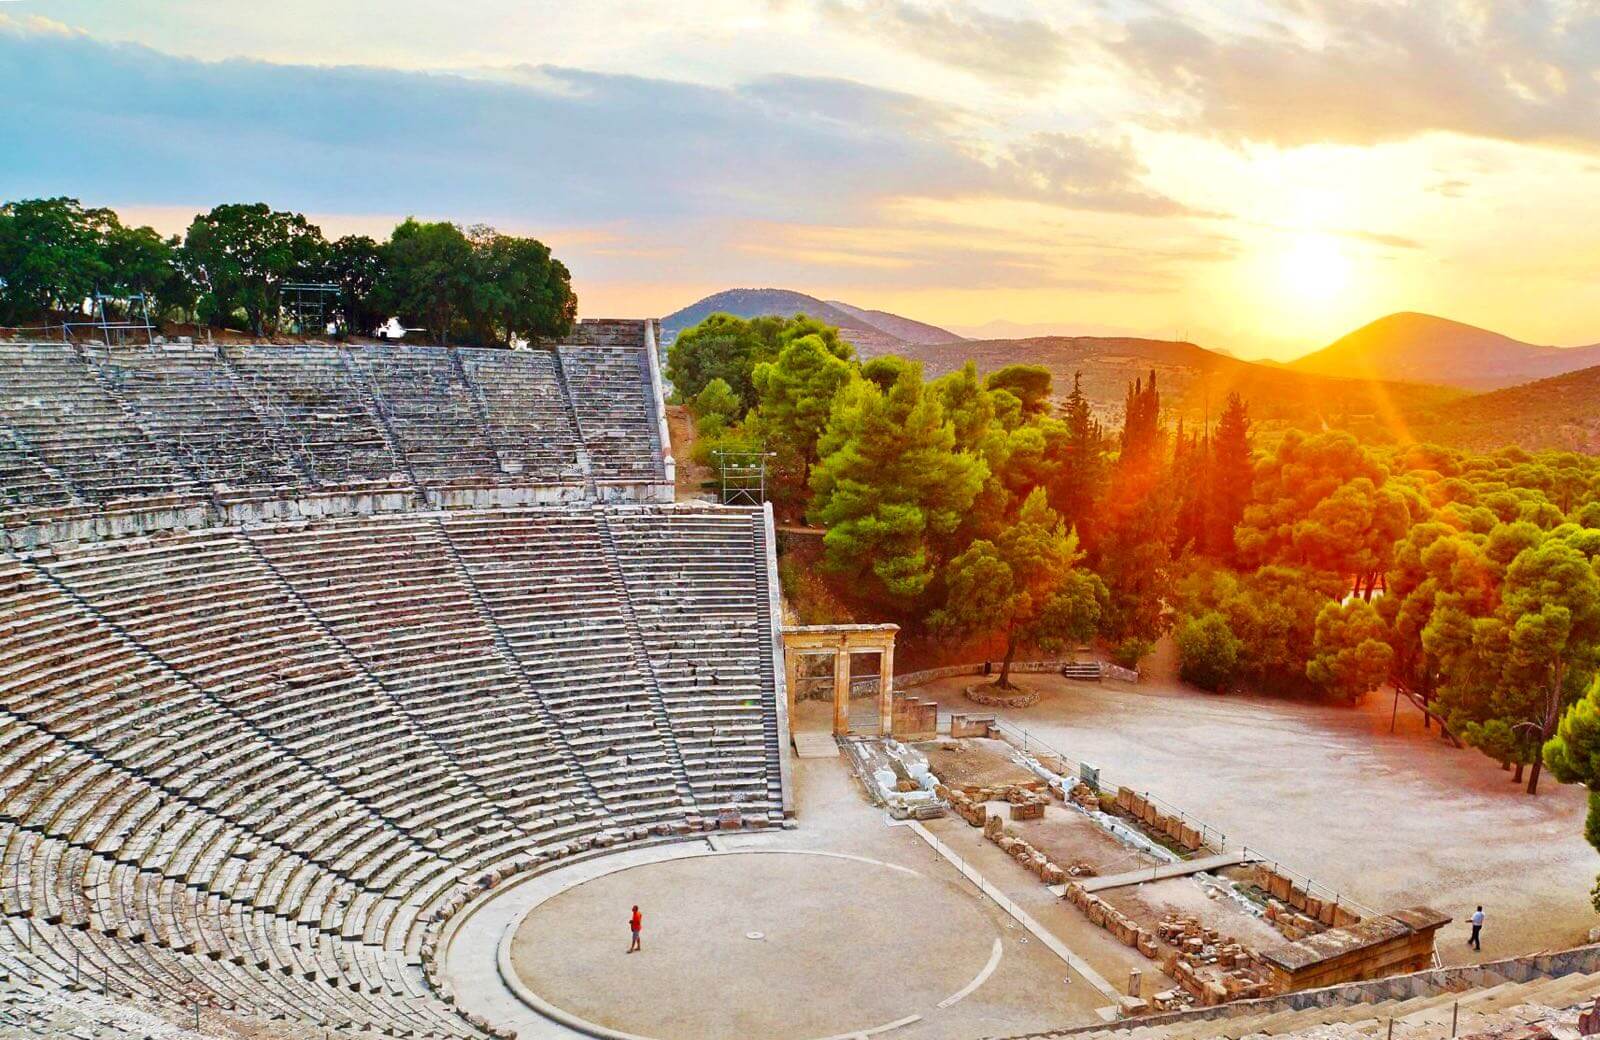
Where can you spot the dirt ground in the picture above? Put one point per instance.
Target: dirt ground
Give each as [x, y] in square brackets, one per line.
[1067, 837]
[1388, 820]
[692, 477]
[821, 925]
[975, 762]
[846, 943]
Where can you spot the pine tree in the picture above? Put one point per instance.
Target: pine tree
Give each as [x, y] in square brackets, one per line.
[1232, 469]
[1082, 470]
[1190, 484]
[1141, 427]
[890, 484]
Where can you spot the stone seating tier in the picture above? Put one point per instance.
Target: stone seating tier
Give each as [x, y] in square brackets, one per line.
[97, 428]
[249, 765]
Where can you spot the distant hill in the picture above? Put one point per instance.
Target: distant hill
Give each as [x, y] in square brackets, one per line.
[879, 331]
[1426, 349]
[1558, 413]
[903, 329]
[1195, 381]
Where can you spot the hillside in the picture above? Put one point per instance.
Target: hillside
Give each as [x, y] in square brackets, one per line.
[1195, 381]
[1427, 349]
[1556, 413]
[904, 329]
[877, 331]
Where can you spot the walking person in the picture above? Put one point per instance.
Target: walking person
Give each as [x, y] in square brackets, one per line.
[637, 921]
[1477, 929]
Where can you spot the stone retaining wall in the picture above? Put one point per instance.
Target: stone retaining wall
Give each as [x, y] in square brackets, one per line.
[911, 680]
[1389, 944]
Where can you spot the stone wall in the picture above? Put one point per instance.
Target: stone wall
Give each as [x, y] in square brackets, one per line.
[92, 523]
[1561, 963]
[1294, 909]
[965, 724]
[914, 718]
[1172, 825]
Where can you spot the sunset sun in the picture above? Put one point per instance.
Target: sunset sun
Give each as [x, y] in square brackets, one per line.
[1312, 268]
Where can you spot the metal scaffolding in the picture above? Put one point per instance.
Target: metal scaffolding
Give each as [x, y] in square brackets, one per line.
[742, 477]
[101, 320]
[310, 305]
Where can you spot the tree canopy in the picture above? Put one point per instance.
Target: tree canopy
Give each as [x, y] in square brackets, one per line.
[479, 287]
[1027, 584]
[891, 485]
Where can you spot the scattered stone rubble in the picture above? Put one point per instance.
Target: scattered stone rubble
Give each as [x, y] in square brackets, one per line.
[991, 696]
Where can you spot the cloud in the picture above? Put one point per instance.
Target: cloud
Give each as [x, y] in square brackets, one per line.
[125, 124]
[1085, 173]
[1021, 53]
[1359, 72]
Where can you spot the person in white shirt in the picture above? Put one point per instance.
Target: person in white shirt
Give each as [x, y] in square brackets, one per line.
[1477, 928]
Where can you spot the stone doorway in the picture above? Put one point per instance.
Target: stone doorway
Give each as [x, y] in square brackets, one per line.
[840, 643]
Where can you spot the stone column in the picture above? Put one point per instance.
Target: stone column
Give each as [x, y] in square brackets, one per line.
[886, 691]
[841, 690]
[791, 676]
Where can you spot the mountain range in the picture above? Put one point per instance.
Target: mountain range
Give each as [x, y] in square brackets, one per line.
[1426, 349]
[1403, 375]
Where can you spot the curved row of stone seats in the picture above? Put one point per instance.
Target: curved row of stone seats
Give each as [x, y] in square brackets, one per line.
[175, 980]
[611, 332]
[137, 931]
[391, 591]
[247, 765]
[378, 808]
[207, 606]
[186, 401]
[610, 389]
[530, 422]
[25, 480]
[96, 425]
[689, 575]
[64, 422]
[546, 583]
[426, 403]
[323, 406]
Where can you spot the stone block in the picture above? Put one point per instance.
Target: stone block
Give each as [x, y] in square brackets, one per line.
[1030, 811]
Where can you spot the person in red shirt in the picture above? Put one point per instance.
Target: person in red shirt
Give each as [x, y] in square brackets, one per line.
[635, 922]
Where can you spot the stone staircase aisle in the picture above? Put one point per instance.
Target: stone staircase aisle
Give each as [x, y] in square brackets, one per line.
[641, 656]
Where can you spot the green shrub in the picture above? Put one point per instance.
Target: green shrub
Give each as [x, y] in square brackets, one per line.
[1208, 651]
[1131, 651]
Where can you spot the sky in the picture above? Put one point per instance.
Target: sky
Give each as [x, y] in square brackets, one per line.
[1256, 175]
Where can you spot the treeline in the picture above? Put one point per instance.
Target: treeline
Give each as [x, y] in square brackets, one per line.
[472, 286]
[1322, 568]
